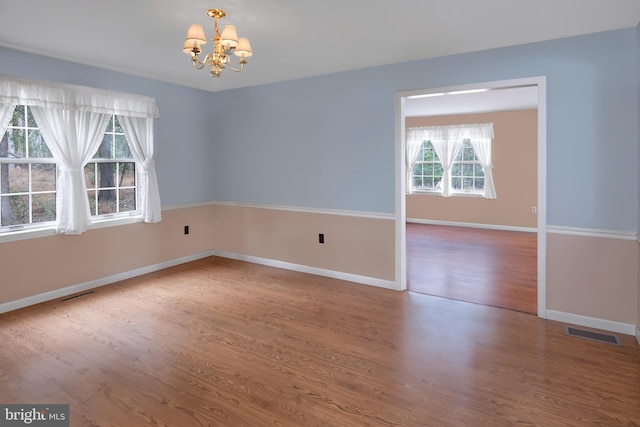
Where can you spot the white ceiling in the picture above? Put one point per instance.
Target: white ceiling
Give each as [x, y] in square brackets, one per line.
[293, 38]
[443, 104]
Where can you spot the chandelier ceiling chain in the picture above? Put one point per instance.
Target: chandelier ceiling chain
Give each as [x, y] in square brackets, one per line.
[224, 45]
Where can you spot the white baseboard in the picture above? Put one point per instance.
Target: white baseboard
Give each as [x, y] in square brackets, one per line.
[92, 284]
[365, 280]
[472, 225]
[86, 286]
[593, 322]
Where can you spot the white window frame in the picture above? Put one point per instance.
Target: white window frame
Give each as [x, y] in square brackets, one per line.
[448, 142]
[474, 163]
[140, 112]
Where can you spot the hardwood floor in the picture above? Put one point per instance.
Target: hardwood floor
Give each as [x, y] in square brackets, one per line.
[219, 342]
[489, 267]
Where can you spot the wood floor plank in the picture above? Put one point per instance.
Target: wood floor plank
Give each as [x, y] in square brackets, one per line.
[483, 266]
[219, 342]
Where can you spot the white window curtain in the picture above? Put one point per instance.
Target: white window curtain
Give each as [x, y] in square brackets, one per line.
[413, 148]
[72, 119]
[6, 111]
[482, 147]
[447, 141]
[73, 137]
[139, 133]
[446, 151]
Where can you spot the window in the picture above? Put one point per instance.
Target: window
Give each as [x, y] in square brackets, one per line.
[467, 174]
[450, 160]
[427, 172]
[84, 130]
[27, 173]
[110, 176]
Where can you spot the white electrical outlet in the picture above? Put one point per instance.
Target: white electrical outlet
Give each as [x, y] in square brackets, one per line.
[534, 209]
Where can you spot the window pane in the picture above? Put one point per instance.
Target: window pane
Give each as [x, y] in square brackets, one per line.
[127, 200]
[456, 169]
[417, 182]
[428, 169]
[467, 170]
[468, 184]
[479, 183]
[18, 178]
[455, 183]
[469, 154]
[107, 202]
[31, 122]
[90, 175]
[15, 210]
[17, 119]
[122, 148]
[91, 194]
[478, 170]
[37, 147]
[117, 128]
[417, 169]
[15, 145]
[107, 175]
[44, 207]
[437, 170]
[104, 151]
[110, 125]
[127, 174]
[43, 177]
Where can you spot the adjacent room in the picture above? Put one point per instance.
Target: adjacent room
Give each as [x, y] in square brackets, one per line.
[474, 239]
[209, 213]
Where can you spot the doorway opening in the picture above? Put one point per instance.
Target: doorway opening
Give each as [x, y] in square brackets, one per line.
[479, 98]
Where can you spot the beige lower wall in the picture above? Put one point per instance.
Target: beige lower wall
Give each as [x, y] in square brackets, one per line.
[593, 276]
[354, 245]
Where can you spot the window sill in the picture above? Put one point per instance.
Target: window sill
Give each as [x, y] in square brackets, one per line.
[49, 231]
[439, 193]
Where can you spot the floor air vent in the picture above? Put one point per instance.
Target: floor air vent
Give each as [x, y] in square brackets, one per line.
[593, 336]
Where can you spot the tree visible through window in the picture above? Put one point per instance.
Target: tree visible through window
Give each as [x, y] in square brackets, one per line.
[110, 176]
[427, 172]
[27, 173]
[467, 174]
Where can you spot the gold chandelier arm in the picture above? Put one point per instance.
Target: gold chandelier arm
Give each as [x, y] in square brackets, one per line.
[199, 65]
[196, 63]
[242, 62]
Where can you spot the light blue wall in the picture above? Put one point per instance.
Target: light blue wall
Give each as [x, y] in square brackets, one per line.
[328, 142]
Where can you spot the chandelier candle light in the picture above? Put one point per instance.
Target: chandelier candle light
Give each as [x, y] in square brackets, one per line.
[224, 45]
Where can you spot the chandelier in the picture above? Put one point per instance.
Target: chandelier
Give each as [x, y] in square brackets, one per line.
[224, 45]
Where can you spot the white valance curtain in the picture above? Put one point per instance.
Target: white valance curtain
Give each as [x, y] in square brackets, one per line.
[73, 120]
[447, 141]
[62, 96]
